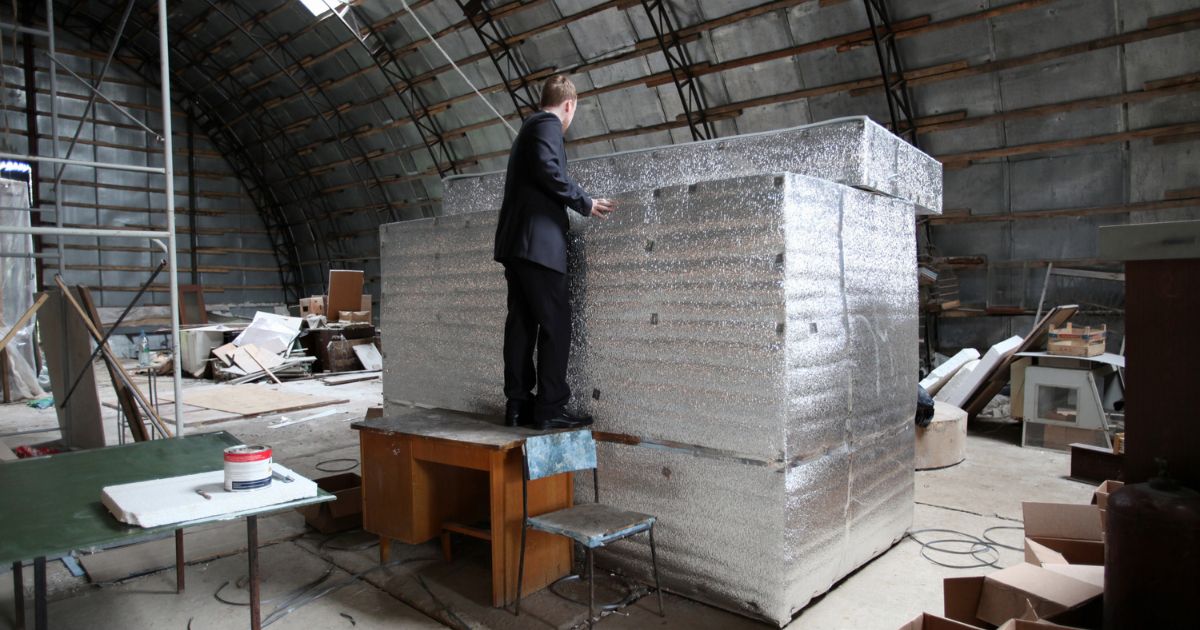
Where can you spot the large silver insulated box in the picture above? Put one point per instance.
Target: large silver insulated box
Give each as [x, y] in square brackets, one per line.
[854, 151]
[748, 347]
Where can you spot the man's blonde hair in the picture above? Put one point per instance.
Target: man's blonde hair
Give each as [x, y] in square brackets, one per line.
[557, 90]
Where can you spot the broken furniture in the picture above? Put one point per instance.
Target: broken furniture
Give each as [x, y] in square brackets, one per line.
[1062, 399]
[745, 337]
[58, 500]
[593, 525]
[427, 469]
[317, 343]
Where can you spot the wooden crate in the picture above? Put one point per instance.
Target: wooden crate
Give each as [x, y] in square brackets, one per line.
[1077, 342]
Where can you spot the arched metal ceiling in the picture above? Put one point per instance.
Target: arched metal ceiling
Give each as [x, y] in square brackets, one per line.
[337, 123]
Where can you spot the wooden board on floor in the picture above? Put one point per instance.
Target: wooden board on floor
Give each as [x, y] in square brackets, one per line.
[253, 400]
[201, 543]
[67, 346]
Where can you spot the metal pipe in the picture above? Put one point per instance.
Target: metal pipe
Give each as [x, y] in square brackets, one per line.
[35, 255]
[62, 231]
[120, 167]
[112, 51]
[191, 174]
[24, 30]
[164, 62]
[56, 62]
[51, 47]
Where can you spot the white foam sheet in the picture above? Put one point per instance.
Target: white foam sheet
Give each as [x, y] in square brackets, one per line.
[176, 500]
[944, 372]
[994, 356]
[270, 332]
[953, 389]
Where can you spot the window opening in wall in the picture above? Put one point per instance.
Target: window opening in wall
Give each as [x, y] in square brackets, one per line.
[319, 7]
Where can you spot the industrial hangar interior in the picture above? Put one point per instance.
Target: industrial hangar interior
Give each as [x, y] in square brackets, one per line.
[631, 313]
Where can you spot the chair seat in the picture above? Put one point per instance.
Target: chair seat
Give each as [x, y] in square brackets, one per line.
[592, 524]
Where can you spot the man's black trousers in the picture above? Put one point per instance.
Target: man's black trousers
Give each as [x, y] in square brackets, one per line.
[539, 312]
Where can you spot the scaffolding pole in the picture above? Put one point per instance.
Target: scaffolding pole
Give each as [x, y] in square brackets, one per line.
[164, 64]
[167, 170]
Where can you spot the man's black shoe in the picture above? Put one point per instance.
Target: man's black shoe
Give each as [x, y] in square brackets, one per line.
[562, 420]
[518, 412]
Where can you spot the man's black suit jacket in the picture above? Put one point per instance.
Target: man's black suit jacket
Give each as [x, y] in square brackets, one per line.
[533, 224]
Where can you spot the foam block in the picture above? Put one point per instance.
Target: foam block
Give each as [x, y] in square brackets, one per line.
[754, 342]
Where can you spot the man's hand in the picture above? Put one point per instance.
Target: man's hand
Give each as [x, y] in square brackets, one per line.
[601, 208]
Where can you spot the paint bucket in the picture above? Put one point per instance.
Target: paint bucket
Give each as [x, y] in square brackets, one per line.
[247, 467]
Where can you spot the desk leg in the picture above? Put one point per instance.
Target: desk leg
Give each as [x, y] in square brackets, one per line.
[252, 552]
[179, 563]
[39, 594]
[18, 596]
[385, 549]
[497, 501]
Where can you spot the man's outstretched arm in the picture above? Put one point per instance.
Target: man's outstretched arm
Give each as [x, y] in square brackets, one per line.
[550, 168]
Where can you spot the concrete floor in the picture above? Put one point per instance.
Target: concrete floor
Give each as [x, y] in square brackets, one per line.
[418, 589]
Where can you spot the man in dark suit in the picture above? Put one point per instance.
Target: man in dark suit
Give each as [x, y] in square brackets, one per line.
[531, 242]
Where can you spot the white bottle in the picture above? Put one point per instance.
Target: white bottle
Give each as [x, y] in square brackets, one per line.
[143, 349]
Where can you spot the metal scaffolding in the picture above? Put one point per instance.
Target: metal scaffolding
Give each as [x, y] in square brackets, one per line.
[512, 70]
[679, 61]
[891, 70]
[166, 170]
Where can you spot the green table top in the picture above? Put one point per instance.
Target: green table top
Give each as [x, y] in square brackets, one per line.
[50, 506]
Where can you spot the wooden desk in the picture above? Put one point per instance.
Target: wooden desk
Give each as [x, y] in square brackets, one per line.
[427, 467]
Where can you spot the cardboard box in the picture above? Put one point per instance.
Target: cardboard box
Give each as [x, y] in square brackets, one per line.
[1006, 593]
[926, 621]
[355, 316]
[341, 515]
[314, 305]
[1063, 533]
[962, 598]
[1100, 499]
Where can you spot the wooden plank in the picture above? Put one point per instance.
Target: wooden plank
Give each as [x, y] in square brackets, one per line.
[253, 400]
[96, 336]
[67, 348]
[24, 319]
[1035, 340]
[965, 159]
[1121, 208]
[137, 426]
[1096, 463]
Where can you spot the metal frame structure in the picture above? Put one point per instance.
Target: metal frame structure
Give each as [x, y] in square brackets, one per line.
[891, 70]
[512, 69]
[679, 61]
[167, 170]
[385, 58]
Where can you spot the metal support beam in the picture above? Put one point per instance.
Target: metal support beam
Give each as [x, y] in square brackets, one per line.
[679, 61]
[513, 71]
[401, 83]
[895, 87]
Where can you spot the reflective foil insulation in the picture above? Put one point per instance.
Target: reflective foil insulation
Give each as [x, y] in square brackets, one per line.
[853, 151]
[747, 344]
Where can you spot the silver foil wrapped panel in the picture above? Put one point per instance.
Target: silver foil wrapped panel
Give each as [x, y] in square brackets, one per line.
[750, 345]
[854, 151]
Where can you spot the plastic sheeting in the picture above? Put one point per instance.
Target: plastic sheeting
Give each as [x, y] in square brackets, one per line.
[16, 290]
[750, 347]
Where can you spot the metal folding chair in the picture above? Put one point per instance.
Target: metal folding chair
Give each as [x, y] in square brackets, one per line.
[592, 525]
